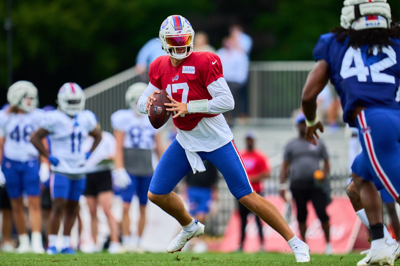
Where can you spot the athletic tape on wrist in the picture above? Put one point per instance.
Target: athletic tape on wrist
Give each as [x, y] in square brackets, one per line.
[312, 123]
[199, 106]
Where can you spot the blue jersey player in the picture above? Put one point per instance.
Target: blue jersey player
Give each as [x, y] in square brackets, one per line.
[361, 59]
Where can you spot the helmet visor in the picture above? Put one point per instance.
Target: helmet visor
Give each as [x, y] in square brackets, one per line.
[179, 40]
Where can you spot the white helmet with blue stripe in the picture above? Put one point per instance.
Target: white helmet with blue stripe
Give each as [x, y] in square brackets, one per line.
[176, 32]
[71, 99]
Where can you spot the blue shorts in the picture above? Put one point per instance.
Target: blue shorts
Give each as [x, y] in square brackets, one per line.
[21, 177]
[379, 161]
[199, 200]
[63, 187]
[140, 187]
[386, 198]
[174, 166]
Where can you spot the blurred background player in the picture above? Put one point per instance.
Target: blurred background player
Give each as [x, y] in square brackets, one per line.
[258, 169]
[45, 174]
[68, 128]
[301, 163]
[201, 43]
[136, 142]
[5, 204]
[99, 190]
[367, 90]
[21, 162]
[201, 191]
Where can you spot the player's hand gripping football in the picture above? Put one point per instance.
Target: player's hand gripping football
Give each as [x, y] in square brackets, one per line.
[150, 101]
[312, 134]
[177, 107]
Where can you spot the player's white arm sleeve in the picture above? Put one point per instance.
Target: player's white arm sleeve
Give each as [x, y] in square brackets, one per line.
[222, 100]
[143, 98]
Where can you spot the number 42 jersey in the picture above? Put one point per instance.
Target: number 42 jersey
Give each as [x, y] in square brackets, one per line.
[361, 78]
[17, 130]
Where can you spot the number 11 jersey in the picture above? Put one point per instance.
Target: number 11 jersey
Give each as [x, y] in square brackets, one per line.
[66, 137]
[361, 78]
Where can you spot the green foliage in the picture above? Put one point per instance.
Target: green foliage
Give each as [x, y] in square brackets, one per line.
[56, 41]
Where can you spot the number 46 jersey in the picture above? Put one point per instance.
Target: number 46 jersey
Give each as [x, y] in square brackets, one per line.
[360, 78]
[66, 137]
[17, 130]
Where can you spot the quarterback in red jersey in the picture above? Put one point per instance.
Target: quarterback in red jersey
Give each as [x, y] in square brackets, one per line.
[199, 95]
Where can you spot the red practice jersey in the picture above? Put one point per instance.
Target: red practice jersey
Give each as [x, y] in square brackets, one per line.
[256, 162]
[187, 82]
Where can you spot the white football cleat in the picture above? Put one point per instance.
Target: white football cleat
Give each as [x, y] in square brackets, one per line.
[385, 256]
[24, 249]
[301, 252]
[38, 249]
[328, 249]
[180, 240]
[7, 247]
[365, 260]
[115, 248]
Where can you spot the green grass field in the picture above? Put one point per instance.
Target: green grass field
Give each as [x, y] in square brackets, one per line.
[174, 259]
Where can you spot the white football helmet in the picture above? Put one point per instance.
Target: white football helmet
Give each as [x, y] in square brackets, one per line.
[176, 32]
[365, 14]
[133, 93]
[24, 95]
[71, 99]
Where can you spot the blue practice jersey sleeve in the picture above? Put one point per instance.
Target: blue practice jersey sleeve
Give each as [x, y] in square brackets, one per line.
[321, 49]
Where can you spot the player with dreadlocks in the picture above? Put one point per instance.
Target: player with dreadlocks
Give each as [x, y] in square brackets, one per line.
[361, 58]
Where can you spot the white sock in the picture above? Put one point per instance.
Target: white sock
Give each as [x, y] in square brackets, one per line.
[294, 241]
[138, 240]
[363, 217]
[191, 226]
[126, 240]
[66, 240]
[114, 244]
[52, 240]
[23, 240]
[37, 239]
[378, 243]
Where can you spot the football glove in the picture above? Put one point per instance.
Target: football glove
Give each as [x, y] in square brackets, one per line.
[54, 160]
[44, 172]
[121, 179]
[87, 155]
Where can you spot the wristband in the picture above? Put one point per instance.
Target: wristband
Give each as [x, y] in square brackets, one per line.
[312, 123]
[199, 106]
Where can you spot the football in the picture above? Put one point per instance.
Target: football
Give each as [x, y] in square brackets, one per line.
[159, 115]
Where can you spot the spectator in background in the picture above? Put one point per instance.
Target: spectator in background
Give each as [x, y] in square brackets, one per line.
[201, 192]
[244, 41]
[258, 169]
[147, 54]
[235, 64]
[302, 164]
[329, 107]
[201, 43]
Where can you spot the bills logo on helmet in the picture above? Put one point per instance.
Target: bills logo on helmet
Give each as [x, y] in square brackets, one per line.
[178, 25]
[164, 24]
[188, 22]
[175, 78]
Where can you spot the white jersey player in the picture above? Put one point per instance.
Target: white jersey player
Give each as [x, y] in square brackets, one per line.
[67, 127]
[136, 142]
[20, 161]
